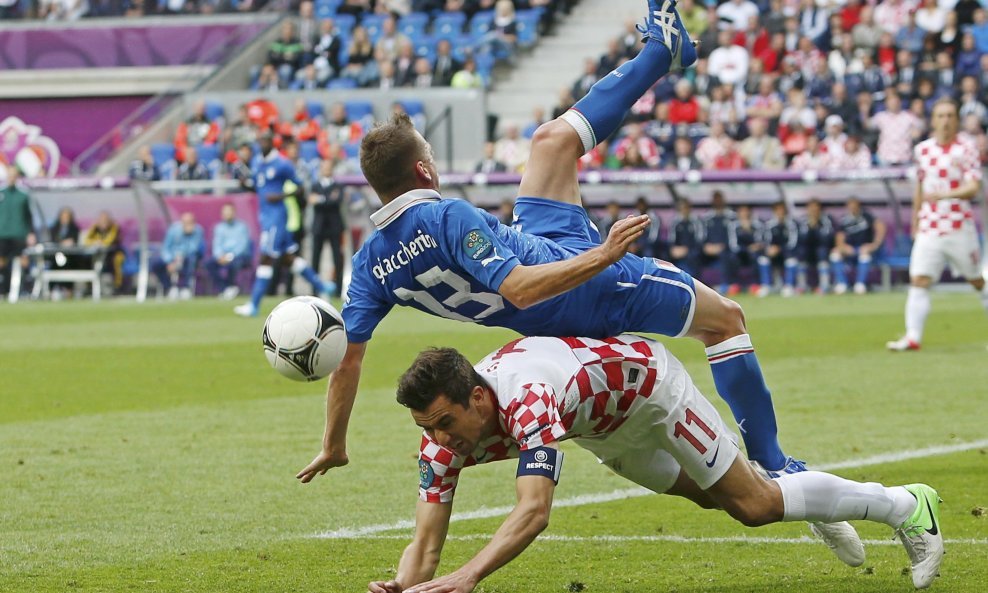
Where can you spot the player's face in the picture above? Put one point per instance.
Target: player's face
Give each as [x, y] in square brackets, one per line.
[453, 426]
[945, 120]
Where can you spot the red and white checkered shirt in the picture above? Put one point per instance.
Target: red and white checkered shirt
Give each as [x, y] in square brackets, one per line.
[941, 169]
[550, 390]
[895, 135]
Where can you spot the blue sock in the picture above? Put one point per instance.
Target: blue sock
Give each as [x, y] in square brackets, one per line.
[601, 111]
[739, 380]
[765, 272]
[864, 266]
[840, 273]
[790, 273]
[262, 278]
[309, 274]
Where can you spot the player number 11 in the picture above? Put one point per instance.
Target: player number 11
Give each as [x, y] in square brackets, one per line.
[680, 430]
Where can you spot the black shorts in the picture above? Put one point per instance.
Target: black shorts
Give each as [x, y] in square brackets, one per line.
[10, 248]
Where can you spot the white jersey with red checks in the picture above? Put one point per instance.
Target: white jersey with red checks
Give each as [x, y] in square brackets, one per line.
[550, 390]
[941, 169]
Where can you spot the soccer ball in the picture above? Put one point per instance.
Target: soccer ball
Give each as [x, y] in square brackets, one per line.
[304, 338]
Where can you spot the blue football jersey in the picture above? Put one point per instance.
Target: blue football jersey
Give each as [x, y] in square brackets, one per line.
[448, 258]
[270, 176]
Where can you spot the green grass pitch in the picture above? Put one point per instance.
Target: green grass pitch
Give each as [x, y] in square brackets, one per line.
[150, 448]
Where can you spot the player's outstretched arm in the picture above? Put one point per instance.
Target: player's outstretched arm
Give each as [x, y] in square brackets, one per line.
[528, 519]
[525, 286]
[421, 557]
[340, 395]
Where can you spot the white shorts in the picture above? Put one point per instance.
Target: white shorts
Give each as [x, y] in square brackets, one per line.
[960, 249]
[676, 428]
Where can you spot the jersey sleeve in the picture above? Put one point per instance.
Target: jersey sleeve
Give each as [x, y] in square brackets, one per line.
[363, 309]
[972, 163]
[533, 418]
[439, 470]
[470, 241]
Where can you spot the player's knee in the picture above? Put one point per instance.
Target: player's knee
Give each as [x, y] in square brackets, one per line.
[752, 510]
[554, 136]
[921, 281]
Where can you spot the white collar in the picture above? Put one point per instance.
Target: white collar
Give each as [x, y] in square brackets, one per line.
[393, 209]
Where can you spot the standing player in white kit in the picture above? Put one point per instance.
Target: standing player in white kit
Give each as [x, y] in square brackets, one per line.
[949, 170]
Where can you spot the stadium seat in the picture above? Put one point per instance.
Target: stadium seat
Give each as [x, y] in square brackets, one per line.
[372, 23]
[481, 23]
[162, 153]
[209, 155]
[341, 84]
[485, 66]
[314, 109]
[462, 47]
[416, 111]
[425, 47]
[214, 110]
[344, 24]
[326, 8]
[308, 151]
[360, 111]
[413, 24]
[527, 23]
[448, 25]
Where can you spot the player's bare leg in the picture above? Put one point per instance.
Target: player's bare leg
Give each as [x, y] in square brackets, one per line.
[556, 146]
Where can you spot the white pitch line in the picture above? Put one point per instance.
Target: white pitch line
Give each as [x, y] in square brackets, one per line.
[585, 499]
[679, 539]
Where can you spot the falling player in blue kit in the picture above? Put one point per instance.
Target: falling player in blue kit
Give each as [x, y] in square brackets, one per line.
[275, 182]
[549, 273]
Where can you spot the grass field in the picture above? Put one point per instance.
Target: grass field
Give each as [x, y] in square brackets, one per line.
[150, 448]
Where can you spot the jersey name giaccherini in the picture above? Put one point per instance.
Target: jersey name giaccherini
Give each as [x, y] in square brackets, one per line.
[403, 256]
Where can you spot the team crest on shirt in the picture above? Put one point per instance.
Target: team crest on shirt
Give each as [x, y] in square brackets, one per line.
[477, 244]
[426, 474]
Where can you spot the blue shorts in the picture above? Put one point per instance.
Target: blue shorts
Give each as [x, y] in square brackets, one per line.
[643, 294]
[277, 241]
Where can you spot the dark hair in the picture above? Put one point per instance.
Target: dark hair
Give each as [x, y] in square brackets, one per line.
[388, 154]
[435, 372]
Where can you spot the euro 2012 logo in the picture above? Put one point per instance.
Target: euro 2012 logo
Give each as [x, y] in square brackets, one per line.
[426, 474]
[476, 244]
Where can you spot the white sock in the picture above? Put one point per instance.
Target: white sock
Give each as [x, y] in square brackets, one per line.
[917, 308]
[984, 297]
[816, 496]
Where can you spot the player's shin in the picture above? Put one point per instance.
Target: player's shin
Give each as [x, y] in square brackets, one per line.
[262, 278]
[601, 111]
[300, 266]
[738, 378]
[917, 310]
[817, 496]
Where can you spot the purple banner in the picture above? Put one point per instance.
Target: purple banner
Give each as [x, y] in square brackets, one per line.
[112, 47]
[72, 124]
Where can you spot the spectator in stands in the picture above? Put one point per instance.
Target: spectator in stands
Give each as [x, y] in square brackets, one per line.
[326, 51]
[722, 108]
[970, 104]
[747, 246]
[503, 35]
[339, 129]
[506, 213]
[230, 253]
[489, 163]
[63, 232]
[734, 14]
[239, 169]
[636, 142]
[796, 140]
[810, 159]
[192, 169]
[684, 108]
[105, 233]
[144, 167]
[387, 76]
[181, 251]
[686, 238]
[512, 149]
[404, 64]
[859, 238]
[759, 150]
[241, 131]
[867, 32]
[781, 238]
[718, 237]
[589, 78]
[306, 79]
[360, 64]
[683, 157]
[968, 57]
[467, 78]
[979, 30]
[285, 53]
[62, 10]
[327, 198]
[649, 244]
[856, 155]
[729, 62]
[797, 111]
[390, 40]
[832, 145]
[195, 130]
[308, 30]
[893, 15]
[816, 241]
[766, 104]
[612, 214]
[16, 225]
[972, 129]
[446, 66]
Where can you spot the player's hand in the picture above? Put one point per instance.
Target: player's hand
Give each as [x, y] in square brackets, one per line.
[384, 587]
[323, 462]
[623, 234]
[455, 582]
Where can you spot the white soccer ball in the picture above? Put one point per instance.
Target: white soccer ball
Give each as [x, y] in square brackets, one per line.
[304, 338]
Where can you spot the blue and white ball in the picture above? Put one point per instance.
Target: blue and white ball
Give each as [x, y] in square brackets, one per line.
[304, 338]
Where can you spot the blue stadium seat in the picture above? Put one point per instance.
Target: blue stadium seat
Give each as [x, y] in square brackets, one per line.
[413, 24]
[314, 109]
[412, 107]
[372, 23]
[352, 150]
[527, 23]
[462, 47]
[214, 110]
[360, 111]
[425, 47]
[485, 66]
[308, 151]
[326, 8]
[448, 25]
[162, 153]
[482, 23]
[341, 84]
[209, 155]
[344, 24]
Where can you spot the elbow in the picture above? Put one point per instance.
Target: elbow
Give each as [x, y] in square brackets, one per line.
[520, 298]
